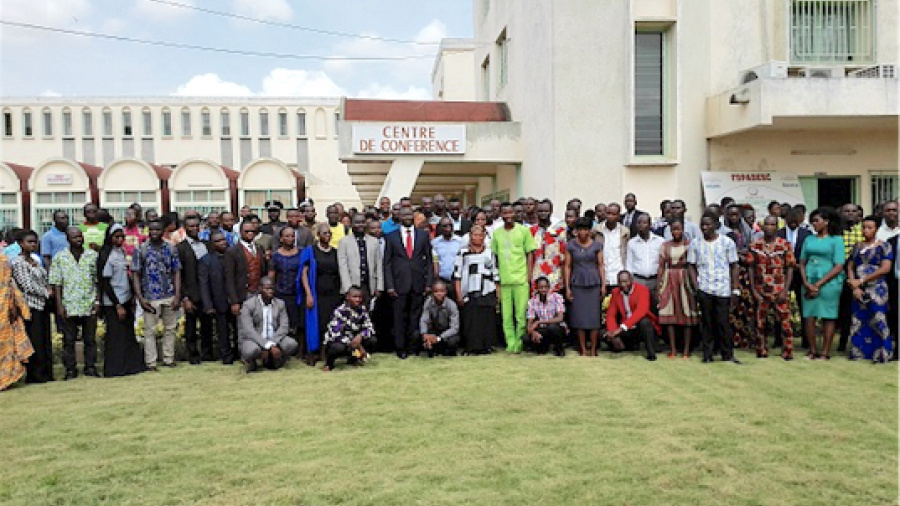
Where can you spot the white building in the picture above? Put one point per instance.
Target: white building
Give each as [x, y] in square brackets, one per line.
[643, 96]
[170, 153]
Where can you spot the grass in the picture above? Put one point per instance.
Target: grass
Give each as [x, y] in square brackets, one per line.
[497, 430]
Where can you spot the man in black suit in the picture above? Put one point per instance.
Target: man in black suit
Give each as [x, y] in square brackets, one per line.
[190, 251]
[629, 218]
[211, 276]
[408, 273]
[245, 265]
[461, 224]
[794, 233]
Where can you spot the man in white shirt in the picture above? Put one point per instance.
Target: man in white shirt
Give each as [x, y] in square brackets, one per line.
[889, 226]
[615, 245]
[263, 329]
[643, 254]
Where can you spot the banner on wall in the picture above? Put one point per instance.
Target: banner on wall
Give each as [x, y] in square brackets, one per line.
[754, 188]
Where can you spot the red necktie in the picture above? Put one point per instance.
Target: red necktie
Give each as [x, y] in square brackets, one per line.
[409, 244]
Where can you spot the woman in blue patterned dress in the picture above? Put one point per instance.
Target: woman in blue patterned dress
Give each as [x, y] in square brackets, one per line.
[866, 270]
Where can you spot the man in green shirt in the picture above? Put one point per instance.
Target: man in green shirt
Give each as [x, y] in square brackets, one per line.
[94, 231]
[514, 246]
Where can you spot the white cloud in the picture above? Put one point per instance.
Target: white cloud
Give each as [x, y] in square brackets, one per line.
[48, 12]
[300, 83]
[270, 10]
[279, 82]
[50, 93]
[70, 14]
[162, 12]
[211, 85]
[387, 92]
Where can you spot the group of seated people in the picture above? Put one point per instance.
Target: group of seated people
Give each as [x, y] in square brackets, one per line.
[440, 279]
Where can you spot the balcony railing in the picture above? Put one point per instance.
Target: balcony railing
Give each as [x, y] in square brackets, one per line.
[832, 31]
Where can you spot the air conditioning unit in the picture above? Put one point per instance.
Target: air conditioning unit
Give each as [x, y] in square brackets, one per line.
[770, 70]
[875, 72]
[821, 72]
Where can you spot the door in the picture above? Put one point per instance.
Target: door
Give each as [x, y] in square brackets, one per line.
[836, 191]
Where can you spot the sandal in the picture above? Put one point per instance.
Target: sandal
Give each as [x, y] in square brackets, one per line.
[671, 355]
[812, 356]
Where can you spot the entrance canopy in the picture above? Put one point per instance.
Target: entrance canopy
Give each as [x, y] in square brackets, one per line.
[397, 149]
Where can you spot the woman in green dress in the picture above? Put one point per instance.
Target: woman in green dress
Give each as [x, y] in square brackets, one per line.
[821, 270]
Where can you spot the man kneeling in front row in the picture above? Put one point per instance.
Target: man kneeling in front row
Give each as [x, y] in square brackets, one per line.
[629, 319]
[350, 331]
[439, 323]
[263, 329]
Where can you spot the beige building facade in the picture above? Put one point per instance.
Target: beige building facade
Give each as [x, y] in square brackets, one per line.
[644, 95]
[172, 152]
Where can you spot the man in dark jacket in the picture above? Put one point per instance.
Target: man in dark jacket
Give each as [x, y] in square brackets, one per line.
[211, 276]
[245, 265]
[190, 251]
[408, 271]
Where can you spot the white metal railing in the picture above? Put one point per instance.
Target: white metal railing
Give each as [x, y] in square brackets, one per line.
[832, 31]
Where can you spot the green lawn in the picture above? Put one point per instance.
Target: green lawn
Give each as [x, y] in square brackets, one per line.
[498, 430]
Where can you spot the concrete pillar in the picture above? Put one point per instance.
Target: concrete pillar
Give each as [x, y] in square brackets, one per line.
[401, 179]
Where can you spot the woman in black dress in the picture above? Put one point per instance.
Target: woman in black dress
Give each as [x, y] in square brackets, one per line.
[322, 288]
[122, 354]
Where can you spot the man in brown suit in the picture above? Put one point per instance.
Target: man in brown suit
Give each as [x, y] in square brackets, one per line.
[245, 265]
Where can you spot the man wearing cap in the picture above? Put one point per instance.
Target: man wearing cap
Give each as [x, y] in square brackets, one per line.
[274, 226]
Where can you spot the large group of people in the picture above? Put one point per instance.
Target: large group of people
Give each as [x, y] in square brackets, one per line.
[439, 278]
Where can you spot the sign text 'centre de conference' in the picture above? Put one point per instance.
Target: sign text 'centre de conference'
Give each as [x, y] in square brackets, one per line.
[409, 139]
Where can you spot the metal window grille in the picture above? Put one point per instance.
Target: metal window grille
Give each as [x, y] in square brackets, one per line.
[256, 199]
[884, 188]
[649, 103]
[503, 49]
[9, 211]
[832, 31]
[46, 203]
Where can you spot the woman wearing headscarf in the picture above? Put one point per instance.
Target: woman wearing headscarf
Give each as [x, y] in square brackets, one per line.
[318, 289]
[121, 353]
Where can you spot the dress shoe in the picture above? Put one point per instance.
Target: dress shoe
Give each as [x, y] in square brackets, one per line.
[194, 361]
[70, 375]
[170, 364]
[707, 360]
[402, 355]
[152, 368]
[91, 371]
[652, 359]
[251, 366]
[735, 361]
[228, 361]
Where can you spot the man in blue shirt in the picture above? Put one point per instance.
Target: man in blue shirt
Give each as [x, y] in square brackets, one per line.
[445, 247]
[393, 222]
[157, 288]
[214, 225]
[55, 239]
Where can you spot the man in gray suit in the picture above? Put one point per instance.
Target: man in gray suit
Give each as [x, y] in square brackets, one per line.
[360, 261]
[263, 329]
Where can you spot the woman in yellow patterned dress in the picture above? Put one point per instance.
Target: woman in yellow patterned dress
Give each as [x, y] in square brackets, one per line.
[15, 348]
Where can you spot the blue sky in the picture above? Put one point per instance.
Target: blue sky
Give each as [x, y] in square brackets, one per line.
[36, 63]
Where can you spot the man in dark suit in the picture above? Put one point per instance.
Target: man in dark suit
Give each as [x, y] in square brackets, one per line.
[190, 251]
[245, 265]
[629, 218]
[795, 233]
[461, 224]
[408, 273]
[211, 276]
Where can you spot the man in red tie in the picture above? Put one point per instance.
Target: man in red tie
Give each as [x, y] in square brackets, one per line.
[629, 319]
[408, 275]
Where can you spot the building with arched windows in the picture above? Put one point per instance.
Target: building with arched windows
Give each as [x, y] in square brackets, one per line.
[169, 153]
